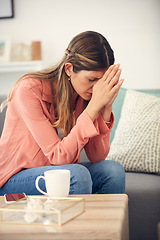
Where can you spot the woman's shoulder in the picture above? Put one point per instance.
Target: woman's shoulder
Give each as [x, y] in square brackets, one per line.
[34, 86]
[30, 83]
[27, 86]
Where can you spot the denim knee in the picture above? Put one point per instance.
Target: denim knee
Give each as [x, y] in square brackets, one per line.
[117, 176]
[81, 182]
[108, 177]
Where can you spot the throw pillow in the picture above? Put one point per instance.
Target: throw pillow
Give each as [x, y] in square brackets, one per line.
[136, 144]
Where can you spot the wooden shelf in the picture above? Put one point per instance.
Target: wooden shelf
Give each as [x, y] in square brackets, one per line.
[27, 66]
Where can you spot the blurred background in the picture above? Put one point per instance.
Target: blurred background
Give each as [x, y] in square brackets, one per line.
[132, 28]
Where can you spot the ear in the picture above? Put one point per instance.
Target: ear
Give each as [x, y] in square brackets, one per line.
[68, 68]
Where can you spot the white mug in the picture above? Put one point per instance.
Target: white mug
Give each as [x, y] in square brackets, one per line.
[57, 183]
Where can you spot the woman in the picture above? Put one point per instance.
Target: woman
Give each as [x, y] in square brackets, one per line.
[53, 114]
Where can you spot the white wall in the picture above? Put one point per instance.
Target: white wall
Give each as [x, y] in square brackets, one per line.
[131, 26]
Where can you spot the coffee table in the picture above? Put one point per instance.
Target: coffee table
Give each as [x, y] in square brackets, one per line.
[105, 217]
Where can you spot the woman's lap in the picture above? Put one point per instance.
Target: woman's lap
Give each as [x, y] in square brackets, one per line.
[107, 176]
[24, 181]
[86, 178]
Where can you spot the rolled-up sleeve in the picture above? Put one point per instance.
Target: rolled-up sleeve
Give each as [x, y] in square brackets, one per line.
[98, 147]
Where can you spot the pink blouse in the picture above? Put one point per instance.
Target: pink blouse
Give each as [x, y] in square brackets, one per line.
[29, 140]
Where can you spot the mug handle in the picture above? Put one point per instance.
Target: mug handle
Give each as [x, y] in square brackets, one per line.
[37, 186]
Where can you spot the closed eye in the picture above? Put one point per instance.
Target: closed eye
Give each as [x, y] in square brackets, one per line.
[93, 80]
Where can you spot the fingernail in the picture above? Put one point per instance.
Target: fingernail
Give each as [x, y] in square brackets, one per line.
[122, 80]
[119, 71]
[116, 66]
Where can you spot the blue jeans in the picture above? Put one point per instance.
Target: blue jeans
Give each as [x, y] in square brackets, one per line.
[86, 178]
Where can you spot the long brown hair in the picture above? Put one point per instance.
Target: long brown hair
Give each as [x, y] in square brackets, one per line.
[87, 51]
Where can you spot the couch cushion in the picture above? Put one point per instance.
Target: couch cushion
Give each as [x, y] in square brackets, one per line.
[143, 191]
[136, 144]
[118, 103]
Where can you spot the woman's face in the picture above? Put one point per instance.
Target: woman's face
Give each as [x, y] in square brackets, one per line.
[84, 81]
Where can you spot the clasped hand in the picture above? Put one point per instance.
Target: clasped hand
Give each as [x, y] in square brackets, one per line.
[105, 92]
